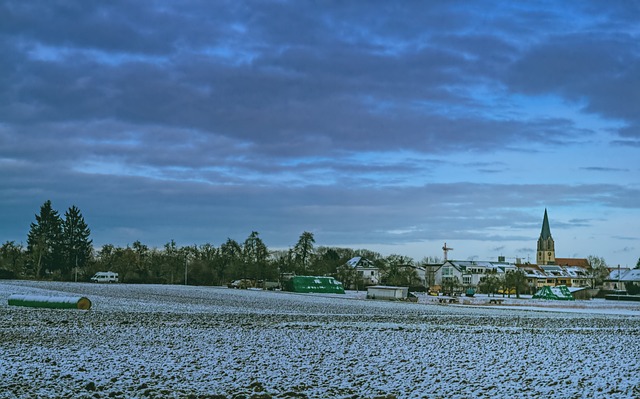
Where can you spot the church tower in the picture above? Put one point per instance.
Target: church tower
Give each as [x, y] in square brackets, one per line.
[546, 247]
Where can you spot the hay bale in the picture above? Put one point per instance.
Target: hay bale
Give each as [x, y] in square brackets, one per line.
[41, 301]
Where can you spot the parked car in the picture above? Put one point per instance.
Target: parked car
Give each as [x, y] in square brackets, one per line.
[105, 277]
[241, 284]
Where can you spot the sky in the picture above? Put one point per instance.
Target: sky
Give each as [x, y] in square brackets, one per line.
[382, 126]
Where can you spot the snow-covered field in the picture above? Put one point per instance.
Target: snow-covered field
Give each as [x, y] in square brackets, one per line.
[209, 342]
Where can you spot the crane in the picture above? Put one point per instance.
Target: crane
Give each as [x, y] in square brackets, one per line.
[446, 249]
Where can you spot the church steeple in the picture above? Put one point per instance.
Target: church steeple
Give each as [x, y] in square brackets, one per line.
[546, 231]
[546, 247]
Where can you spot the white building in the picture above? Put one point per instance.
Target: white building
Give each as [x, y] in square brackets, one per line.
[619, 279]
[387, 292]
[470, 273]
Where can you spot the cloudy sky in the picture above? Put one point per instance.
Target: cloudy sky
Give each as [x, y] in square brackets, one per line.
[391, 127]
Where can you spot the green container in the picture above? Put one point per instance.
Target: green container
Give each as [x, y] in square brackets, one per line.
[325, 285]
[52, 302]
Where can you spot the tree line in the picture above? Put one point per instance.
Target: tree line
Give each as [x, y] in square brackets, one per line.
[60, 248]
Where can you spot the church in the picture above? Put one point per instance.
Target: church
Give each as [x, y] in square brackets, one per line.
[546, 248]
[546, 252]
[551, 270]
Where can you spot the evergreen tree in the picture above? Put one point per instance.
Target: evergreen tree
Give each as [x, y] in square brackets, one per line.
[77, 249]
[303, 252]
[255, 256]
[44, 241]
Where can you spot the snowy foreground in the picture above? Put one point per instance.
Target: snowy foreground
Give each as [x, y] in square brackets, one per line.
[212, 342]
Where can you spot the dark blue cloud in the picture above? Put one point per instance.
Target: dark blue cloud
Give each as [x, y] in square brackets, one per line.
[383, 123]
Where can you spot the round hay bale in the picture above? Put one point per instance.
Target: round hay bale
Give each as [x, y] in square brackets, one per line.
[51, 302]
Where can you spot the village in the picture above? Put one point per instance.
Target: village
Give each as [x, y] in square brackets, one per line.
[550, 278]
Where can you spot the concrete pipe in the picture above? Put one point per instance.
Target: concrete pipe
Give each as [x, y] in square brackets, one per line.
[41, 301]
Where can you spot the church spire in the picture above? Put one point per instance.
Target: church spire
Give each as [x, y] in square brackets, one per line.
[545, 234]
[546, 247]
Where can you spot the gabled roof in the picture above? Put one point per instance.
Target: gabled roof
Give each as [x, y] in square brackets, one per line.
[464, 265]
[581, 262]
[576, 271]
[551, 268]
[632, 275]
[616, 274]
[625, 275]
[360, 262]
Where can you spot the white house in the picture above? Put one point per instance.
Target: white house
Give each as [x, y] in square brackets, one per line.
[360, 271]
[619, 278]
[470, 273]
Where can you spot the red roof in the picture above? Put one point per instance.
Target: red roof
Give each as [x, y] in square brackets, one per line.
[581, 262]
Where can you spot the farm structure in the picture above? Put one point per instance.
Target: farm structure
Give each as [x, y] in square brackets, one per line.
[317, 284]
[560, 293]
[387, 292]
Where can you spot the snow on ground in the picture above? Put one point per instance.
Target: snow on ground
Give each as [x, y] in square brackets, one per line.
[141, 341]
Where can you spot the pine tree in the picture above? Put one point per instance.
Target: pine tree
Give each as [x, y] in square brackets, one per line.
[255, 255]
[77, 249]
[44, 241]
[304, 251]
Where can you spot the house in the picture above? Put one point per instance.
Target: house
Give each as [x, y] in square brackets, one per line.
[579, 276]
[469, 273]
[555, 275]
[535, 276]
[550, 271]
[620, 278]
[358, 272]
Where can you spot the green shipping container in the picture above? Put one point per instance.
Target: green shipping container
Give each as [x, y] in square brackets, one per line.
[52, 302]
[325, 285]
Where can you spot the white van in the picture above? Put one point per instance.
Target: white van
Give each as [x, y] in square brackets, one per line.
[105, 277]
